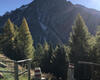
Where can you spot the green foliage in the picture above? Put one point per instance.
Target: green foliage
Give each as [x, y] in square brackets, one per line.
[60, 63]
[56, 61]
[92, 53]
[46, 46]
[96, 49]
[46, 64]
[9, 29]
[17, 42]
[95, 56]
[8, 38]
[38, 55]
[79, 45]
[25, 42]
[79, 41]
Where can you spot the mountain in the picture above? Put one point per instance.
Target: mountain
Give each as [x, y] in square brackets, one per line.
[52, 20]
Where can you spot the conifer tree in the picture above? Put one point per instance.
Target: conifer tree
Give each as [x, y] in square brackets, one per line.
[96, 49]
[39, 53]
[8, 39]
[46, 46]
[79, 44]
[60, 63]
[1, 39]
[95, 56]
[9, 29]
[79, 40]
[92, 53]
[25, 41]
[46, 64]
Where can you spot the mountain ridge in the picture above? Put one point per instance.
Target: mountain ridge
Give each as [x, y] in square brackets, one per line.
[52, 21]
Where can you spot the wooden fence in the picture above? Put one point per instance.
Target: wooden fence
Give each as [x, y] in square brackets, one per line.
[94, 69]
[15, 70]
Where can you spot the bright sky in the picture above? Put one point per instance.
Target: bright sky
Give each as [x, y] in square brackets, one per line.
[8, 5]
[95, 4]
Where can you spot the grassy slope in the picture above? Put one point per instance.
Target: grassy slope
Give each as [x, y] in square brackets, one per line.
[8, 76]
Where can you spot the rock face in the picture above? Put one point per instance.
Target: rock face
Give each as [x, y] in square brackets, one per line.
[52, 20]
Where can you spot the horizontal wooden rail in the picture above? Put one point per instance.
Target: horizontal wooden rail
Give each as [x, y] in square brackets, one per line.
[9, 61]
[21, 73]
[16, 70]
[26, 60]
[6, 71]
[89, 63]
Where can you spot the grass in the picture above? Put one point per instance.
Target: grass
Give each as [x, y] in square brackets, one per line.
[9, 76]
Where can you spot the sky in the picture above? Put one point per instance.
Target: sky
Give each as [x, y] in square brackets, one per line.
[95, 4]
[8, 5]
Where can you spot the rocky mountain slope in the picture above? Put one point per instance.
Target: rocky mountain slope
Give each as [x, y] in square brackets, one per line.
[52, 20]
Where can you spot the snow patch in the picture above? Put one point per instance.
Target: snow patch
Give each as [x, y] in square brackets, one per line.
[39, 18]
[23, 7]
[43, 26]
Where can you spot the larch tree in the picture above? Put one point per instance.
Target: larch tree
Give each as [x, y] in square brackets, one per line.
[96, 49]
[25, 41]
[79, 40]
[79, 44]
[8, 39]
[9, 29]
[95, 56]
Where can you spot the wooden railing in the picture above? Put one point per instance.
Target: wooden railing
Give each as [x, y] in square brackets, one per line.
[89, 63]
[16, 71]
[17, 74]
[94, 69]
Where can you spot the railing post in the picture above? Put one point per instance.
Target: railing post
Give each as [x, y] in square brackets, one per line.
[92, 72]
[70, 73]
[16, 70]
[29, 67]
